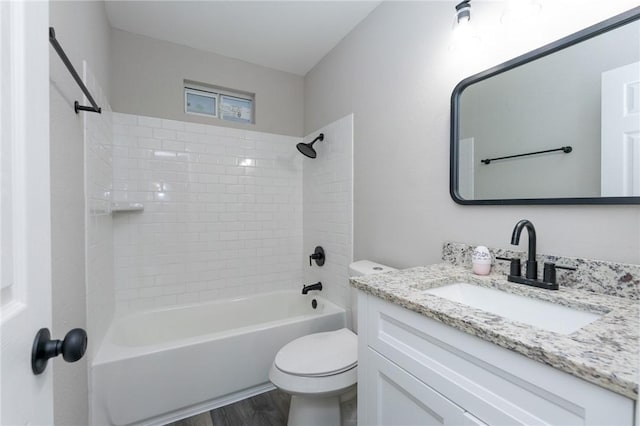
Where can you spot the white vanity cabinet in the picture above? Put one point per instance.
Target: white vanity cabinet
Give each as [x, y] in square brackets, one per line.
[413, 370]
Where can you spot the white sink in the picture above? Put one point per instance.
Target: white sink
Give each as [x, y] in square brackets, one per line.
[545, 315]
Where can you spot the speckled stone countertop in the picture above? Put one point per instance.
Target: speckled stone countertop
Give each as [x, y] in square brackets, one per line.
[604, 352]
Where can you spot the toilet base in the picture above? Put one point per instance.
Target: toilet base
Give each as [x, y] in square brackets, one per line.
[324, 411]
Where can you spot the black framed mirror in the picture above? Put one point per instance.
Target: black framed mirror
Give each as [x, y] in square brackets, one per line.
[558, 125]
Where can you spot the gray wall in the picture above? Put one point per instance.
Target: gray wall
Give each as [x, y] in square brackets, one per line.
[83, 31]
[147, 78]
[395, 72]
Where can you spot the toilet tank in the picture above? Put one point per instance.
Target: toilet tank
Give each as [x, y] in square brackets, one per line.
[359, 268]
[367, 267]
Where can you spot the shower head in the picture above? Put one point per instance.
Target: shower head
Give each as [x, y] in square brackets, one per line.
[306, 149]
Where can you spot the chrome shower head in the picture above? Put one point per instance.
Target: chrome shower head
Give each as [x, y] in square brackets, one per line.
[306, 149]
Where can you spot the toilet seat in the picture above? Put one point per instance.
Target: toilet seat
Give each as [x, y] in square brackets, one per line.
[314, 386]
[319, 364]
[319, 354]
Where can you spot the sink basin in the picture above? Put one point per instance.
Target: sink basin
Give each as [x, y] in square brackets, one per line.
[545, 315]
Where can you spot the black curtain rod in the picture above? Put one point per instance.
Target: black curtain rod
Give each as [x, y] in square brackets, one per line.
[74, 74]
[565, 149]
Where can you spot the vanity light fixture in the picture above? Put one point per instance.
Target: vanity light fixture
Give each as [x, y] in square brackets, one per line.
[465, 38]
[463, 12]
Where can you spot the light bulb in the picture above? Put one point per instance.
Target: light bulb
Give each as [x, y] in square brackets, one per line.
[464, 37]
[463, 11]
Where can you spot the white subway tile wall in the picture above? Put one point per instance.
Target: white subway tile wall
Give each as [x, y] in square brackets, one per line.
[222, 212]
[328, 209]
[98, 136]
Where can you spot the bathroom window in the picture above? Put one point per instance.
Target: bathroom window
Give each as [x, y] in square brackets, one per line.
[218, 102]
[200, 102]
[236, 109]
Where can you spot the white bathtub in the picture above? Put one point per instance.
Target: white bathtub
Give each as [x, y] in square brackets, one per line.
[158, 366]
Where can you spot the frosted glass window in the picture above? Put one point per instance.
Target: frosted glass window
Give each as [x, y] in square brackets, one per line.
[236, 109]
[218, 102]
[200, 102]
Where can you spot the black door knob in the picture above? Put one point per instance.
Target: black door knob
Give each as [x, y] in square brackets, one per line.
[72, 348]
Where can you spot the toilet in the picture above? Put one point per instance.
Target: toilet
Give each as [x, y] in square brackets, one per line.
[320, 369]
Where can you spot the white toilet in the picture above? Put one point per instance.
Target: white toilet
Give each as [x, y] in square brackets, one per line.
[320, 368]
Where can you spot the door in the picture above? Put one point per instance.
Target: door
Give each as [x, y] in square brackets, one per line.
[621, 131]
[25, 252]
[466, 169]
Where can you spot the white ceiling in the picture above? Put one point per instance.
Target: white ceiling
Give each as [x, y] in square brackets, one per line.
[290, 36]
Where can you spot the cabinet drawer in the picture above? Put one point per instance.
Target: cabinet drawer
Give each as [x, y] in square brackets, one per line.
[397, 398]
[497, 385]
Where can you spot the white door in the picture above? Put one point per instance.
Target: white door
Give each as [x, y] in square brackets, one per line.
[25, 261]
[620, 161]
[466, 169]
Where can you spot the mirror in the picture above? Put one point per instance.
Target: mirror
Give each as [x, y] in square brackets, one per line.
[558, 125]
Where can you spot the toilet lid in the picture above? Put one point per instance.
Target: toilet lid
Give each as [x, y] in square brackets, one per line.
[319, 354]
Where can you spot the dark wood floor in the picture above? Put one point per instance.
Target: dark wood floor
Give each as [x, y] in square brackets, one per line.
[267, 409]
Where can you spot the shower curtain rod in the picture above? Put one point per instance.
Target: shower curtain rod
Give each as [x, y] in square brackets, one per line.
[74, 74]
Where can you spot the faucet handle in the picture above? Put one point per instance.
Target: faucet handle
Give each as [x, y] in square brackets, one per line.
[318, 256]
[568, 268]
[515, 268]
[549, 273]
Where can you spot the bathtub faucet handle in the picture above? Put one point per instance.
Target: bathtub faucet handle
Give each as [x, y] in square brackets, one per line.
[318, 256]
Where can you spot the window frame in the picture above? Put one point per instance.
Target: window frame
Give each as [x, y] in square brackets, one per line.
[204, 93]
[218, 92]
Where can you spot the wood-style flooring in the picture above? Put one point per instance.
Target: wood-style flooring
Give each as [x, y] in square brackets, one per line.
[267, 409]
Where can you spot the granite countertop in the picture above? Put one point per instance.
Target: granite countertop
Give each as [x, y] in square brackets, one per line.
[604, 352]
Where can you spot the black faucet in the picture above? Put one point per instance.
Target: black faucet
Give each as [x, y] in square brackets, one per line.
[307, 288]
[532, 265]
[531, 276]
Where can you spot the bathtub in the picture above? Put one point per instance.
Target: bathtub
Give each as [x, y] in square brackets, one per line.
[158, 366]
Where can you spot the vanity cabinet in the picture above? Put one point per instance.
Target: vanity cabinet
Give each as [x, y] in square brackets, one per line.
[413, 370]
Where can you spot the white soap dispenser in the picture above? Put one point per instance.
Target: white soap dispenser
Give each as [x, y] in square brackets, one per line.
[481, 261]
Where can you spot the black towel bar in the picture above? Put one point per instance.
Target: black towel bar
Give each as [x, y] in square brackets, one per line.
[565, 149]
[74, 74]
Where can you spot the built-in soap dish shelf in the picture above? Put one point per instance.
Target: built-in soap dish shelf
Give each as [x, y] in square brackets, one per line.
[125, 207]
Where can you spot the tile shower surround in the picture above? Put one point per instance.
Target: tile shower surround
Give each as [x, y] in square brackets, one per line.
[98, 151]
[328, 209]
[222, 212]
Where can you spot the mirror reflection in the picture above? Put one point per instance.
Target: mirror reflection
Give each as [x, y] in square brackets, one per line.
[568, 124]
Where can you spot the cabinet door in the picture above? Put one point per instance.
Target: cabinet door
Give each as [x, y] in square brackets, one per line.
[397, 398]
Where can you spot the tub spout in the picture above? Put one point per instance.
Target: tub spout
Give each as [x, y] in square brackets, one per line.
[307, 288]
